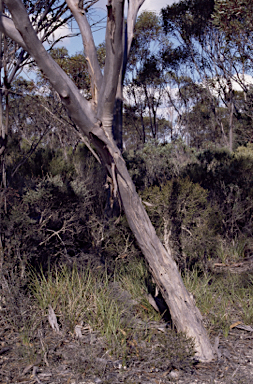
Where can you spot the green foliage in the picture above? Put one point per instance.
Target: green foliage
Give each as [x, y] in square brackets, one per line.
[41, 224]
[147, 30]
[183, 217]
[155, 164]
[75, 66]
[233, 17]
[117, 241]
[101, 52]
[228, 178]
[202, 202]
[201, 122]
[245, 155]
[190, 17]
[48, 218]
[213, 47]
[222, 179]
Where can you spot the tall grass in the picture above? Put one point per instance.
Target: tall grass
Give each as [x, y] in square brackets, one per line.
[89, 298]
[222, 299]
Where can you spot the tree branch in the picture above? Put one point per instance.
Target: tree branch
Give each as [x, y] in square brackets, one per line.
[8, 28]
[113, 62]
[79, 108]
[89, 46]
[133, 9]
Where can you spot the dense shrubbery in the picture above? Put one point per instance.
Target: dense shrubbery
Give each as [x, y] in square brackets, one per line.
[55, 207]
[155, 164]
[48, 217]
[183, 216]
[200, 201]
[228, 178]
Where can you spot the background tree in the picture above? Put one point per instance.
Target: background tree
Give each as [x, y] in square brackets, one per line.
[214, 59]
[14, 57]
[145, 82]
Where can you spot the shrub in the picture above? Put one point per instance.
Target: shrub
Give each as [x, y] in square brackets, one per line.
[155, 164]
[228, 178]
[183, 217]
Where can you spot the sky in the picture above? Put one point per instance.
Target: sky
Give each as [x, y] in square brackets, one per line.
[156, 5]
[151, 5]
[74, 45]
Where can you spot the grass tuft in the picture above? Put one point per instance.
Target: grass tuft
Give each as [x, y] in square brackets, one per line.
[223, 299]
[109, 306]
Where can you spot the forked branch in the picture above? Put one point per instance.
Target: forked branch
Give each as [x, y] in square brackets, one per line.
[89, 46]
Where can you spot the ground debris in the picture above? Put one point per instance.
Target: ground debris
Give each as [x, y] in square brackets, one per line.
[78, 361]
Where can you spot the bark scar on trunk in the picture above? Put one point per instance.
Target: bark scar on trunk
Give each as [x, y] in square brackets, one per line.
[111, 24]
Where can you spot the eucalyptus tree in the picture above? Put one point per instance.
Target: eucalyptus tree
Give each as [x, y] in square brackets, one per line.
[94, 118]
[46, 17]
[189, 24]
[199, 122]
[145, 77]
[233, 19]
[217, 37]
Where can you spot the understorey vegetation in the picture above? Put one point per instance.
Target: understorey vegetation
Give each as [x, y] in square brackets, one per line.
[64, 245]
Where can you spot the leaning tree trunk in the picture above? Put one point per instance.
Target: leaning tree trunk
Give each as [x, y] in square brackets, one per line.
[95, 120]
[184, 313]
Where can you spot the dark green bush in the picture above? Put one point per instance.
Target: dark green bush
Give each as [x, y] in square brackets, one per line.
[55, 207]
[45, 219]
[229, 180]
[46, 222]
[184, 218]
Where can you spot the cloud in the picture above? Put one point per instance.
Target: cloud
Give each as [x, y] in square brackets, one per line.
[156, 5]
[149, 5]
[64, 30]
[219, 85]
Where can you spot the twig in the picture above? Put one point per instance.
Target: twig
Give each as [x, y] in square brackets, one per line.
[56, 233]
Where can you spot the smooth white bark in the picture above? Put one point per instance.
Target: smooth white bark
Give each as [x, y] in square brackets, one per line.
[89, 47]
[8, 28]
[133, 9]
